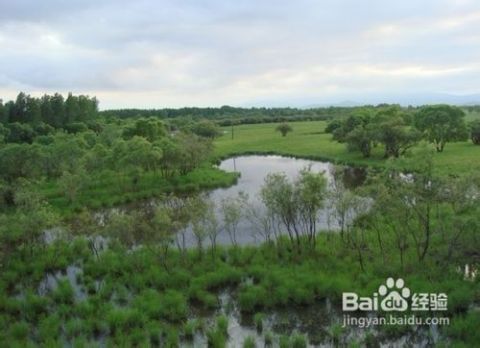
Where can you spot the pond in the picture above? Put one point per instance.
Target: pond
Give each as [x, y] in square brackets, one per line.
[253, 171]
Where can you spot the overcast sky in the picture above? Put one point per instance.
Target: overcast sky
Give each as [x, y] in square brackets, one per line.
[239, 52]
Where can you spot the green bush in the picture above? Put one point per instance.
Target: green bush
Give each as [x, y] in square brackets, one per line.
[298, 341]
[252, 297]
[258, 319]
[249, 342]
[222, 325]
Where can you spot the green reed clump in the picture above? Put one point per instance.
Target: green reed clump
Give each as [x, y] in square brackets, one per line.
[64, 293]
[222, 325]
[268, 339]
[249, 342]
[258, 319]
[252, 297]
[298, 341]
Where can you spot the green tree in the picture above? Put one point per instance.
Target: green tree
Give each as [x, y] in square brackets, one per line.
[441, 124]
[284, 129]
[20, 108]
[395, 135]
[57, 105]
[206, 128]
[296, 204]
[4, 133]
[231, 208]
[72, 109]
[150, 129]
[3, 113]
[475, 132]
[360, 139]
[71, 184]
[33, 112]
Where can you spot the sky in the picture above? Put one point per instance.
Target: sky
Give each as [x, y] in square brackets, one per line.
[153, 54]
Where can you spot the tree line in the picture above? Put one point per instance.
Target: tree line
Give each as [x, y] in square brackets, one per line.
[398, 129]
[21, 120]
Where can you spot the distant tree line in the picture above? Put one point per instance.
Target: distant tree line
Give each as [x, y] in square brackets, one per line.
[228, 115]
[26, 117]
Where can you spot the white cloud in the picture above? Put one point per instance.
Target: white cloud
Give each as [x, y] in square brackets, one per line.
[172, 53]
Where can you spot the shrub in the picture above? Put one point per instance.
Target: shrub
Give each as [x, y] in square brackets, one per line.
[298, 341]
[123, 320]
[216, 339]
[465, 328]
[258, 320]
[251, 297]
[249, 342]
[268, 339]
[19, 330]
[189, 329]
[64, 292]
[284, 342]
[49, 328]
[170, 305]
[222, 325]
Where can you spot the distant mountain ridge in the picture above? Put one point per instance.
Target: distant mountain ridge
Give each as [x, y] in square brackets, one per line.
[413, 99]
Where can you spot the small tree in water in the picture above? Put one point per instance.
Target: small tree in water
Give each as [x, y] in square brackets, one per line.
[284, 128]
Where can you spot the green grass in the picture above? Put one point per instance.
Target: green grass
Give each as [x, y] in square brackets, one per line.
[308, 140]
[158, 301]
[110, 189]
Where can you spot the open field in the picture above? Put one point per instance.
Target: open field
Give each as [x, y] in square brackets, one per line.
[308, 140]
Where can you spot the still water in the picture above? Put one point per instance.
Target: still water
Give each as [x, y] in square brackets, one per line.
[253, 171]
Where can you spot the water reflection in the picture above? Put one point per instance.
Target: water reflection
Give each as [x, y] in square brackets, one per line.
[253, 170]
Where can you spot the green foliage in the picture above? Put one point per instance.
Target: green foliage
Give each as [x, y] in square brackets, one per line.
[249, 342]
[284, 129]
[268, 339]
[475, 132]
[258, 319]
[298, 341]
[206, 128]
[442, 124]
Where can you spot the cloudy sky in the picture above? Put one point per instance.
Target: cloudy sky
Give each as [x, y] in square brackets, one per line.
[140, 53]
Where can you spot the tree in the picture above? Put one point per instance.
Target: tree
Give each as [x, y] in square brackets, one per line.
[194, 150]
[71, 184]
[284, 129]
[311, 191]
[20, 109]
[4, 133]
[33, 113]
[72, 109]
[475, 132]
[198, 211]
[171, 159]
[3, 113]
[57, 105]
[24, 229]
[360, 139]
[395, 135]
[441, 124]
[206, 128]
[150, 129]
[20, 133]
[295, 204]
[231, 208]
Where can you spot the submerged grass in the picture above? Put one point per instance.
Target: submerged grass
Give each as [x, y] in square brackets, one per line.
[154, 309]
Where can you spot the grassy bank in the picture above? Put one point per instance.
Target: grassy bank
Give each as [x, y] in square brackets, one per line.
[111, 189]
[308, 140]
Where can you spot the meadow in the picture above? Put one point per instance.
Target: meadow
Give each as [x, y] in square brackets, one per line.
[309, 140]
